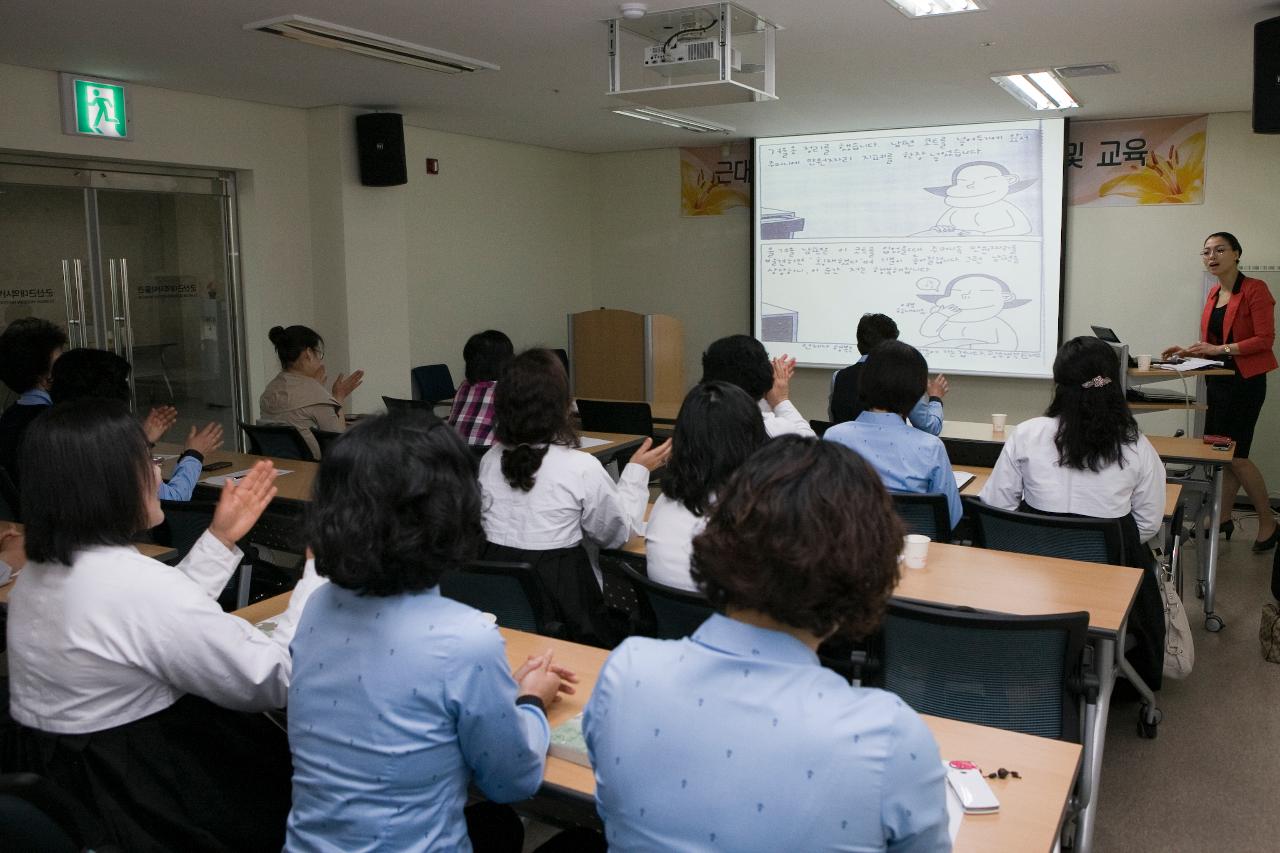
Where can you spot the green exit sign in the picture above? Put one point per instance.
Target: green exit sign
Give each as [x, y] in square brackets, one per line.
[94, 107]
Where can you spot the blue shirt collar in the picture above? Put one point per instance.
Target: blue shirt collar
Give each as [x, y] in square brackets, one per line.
[35, 397]
[738, 638]
[882, 418]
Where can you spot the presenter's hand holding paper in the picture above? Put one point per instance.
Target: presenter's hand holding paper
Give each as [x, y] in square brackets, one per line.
[784, 367]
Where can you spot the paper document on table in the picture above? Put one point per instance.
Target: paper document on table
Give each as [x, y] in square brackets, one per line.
[1189, 364]
[963, 478]
[955, 812]
[222, 479]
[588, 441]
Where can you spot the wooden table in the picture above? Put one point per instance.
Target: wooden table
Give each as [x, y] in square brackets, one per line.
[294, 486]
[617, 442]
[147, 549]
[1032, 808]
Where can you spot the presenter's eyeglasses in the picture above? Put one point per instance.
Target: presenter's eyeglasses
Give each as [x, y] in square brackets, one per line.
[1216, 250]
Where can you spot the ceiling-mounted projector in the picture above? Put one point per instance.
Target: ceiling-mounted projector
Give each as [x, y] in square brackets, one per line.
[695, 56]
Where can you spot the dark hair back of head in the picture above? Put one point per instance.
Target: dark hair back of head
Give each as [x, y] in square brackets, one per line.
[292, 342]
[740, 360]
[875, 329]
[90, 373]
[805, 533]
[894, 378]
[1094, 423]
[26, 348]
[531, 406]
[1230, 238]
[85, 477]
[718, 427]
[486, 353]
[396, 504]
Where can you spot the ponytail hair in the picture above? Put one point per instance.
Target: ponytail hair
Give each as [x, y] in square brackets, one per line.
[531, 408]
[292, 342]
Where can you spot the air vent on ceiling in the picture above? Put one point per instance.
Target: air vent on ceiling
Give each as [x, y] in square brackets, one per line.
[326, 34]
[1093, 69]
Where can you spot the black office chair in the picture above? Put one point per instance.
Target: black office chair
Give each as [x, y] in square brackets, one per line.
[673, 613]
[325, 439]
[820, 427]
[980, 454]
[927, 515]
[563, 355]
[278, 440]
[184, 523]
[433, 382]
[510, 591]
[9, 503]
[394, 404]
[1021, 673]
[35, 814]
[1092, 540]
[616, 416]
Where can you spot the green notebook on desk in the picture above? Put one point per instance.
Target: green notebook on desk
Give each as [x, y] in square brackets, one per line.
[567, 742]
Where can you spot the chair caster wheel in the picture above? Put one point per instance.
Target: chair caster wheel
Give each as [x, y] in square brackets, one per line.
[1149, 718]
[1213, 623]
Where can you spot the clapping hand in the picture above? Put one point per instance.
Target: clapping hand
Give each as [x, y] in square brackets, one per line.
[344, 385]
[158, 421]
[784, 367]
[938, 386]
[242, 502]
[652, 457]
[13, 549]
[538, 676]
[204, 441]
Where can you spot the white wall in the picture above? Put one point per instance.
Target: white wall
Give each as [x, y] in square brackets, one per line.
[1136, 269]
[265, 145]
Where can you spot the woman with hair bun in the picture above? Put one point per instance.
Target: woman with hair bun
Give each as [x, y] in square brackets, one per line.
[299, 395]
[1238, 328]
[1086, 457]
[543, 497]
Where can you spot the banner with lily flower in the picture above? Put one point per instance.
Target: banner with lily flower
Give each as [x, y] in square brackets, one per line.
[1136, 161]
[716, 179]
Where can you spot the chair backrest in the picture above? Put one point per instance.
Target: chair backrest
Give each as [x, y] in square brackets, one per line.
[965, 451]
[281, 527]
[820, 427]
[184, 523]
[677, 613]
[325, 438]
[1092, 540]
[9, 505]
[563, 355]
[615, 416]
[1021, 673]
[279, 440]
[394, 404]
[509, 591]
[37, 815]
[433, 382]
[924, 514]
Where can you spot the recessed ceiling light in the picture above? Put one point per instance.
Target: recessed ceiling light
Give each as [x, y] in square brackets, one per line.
[932, 8]
[326, 34]
[677, 120]
[1040, 90]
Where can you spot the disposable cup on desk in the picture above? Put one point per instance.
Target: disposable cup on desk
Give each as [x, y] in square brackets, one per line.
[915, 550]
[1144, 362]
[998, 422]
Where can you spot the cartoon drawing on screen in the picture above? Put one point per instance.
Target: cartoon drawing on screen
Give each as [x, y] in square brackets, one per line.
[967, 314]
[779, 324]
[978, 205]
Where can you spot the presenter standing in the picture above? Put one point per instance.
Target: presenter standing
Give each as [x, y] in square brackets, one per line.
[1237, 328]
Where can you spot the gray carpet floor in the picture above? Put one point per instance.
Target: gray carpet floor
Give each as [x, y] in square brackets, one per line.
[1210, 781]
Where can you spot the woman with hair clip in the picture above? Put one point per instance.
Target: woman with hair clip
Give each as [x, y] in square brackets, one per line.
[125, 675]
[1086, 457]
[544, 497]
[1238, 328]
[299, 395]
[717, 429]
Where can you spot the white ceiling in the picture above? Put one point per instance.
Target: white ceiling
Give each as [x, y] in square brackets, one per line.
[842, 64]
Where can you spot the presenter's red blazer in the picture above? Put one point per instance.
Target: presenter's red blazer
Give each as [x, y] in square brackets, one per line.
[1250, 321]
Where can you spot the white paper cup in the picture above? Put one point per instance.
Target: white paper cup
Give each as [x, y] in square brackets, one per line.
[1144, 362]
[489, 617]
[997, 422]
[915, 550]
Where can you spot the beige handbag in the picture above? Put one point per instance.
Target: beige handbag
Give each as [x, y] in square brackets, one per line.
[1269, 632]
[1179, 649]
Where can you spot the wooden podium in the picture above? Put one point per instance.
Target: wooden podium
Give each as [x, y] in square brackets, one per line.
[621, 355]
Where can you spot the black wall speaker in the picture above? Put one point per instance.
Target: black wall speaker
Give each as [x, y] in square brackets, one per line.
[1266, 76]
[380, 143]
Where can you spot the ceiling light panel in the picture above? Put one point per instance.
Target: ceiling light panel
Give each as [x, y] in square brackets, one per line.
[933, 8]
[683, 122]
[1039, 90]
[338, 37]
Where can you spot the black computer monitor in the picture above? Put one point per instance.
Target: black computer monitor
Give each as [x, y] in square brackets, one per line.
[1106, 334]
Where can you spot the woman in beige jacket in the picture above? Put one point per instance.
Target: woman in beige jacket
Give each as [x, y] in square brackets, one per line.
[299, 395]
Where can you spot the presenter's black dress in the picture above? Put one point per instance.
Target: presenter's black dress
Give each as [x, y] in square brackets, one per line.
[1234, 402]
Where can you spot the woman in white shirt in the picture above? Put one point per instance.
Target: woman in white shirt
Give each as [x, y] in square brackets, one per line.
[122, 668]
[1087, 457]
[717, 429]
[543, 497]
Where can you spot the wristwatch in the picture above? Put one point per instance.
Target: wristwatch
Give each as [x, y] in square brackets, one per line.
[1226, 349]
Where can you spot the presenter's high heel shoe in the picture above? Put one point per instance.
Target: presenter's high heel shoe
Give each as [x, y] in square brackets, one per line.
[1226, 528]
[1263, 545]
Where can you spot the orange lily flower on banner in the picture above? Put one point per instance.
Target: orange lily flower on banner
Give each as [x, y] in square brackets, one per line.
[701, 196]
[1176, 178]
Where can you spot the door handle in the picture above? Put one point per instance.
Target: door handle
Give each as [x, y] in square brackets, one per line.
[78, 269]
[116, 317]
[73, 323]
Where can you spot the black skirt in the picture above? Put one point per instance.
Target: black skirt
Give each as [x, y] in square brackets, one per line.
[193, 777]
[1234, 406]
